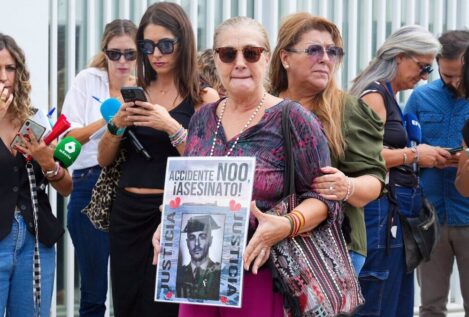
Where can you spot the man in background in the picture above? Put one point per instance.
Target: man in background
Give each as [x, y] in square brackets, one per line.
[442, 111]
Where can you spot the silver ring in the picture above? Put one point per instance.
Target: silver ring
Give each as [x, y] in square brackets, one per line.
[331, 188]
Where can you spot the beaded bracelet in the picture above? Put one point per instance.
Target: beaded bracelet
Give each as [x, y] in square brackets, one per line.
[178, 137]
[58, 178]
[349, 189]
[415, 150]
[352, 182]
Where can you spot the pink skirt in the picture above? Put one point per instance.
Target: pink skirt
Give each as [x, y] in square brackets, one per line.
[258, 299]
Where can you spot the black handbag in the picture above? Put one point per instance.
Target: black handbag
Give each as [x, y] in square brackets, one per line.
[420, 235]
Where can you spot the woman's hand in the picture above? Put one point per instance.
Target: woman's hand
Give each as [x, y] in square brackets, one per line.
[271, 229]
[432, 156]
[332, 186]
[121, 119]
[5, 100]
[153, 116]
[40, 152]
[155, 241]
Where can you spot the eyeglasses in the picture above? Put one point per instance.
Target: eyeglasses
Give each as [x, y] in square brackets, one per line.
[250, 53]
[424, 69]
[115, 55]
[166, 46]
[317, 51]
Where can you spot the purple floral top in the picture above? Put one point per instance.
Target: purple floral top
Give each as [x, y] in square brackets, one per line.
[265, 141]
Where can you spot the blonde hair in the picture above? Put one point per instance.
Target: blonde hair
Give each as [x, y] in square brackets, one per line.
[21, 107]
[328, 105]
[118, 27]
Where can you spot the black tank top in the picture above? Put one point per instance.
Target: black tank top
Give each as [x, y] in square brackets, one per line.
[136, 170]
[395, 135]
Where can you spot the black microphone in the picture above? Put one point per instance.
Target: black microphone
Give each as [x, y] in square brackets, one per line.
[137, 145]
[108, 109]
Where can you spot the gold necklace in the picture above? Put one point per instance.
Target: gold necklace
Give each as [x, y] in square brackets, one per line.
[259, 106]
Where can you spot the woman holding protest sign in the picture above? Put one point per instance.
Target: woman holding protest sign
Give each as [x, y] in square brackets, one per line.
[248, 123]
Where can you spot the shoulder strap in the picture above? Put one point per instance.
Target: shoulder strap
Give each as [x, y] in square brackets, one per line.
[289, 186]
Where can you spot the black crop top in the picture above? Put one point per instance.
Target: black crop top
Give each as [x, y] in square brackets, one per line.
[395, 135]
[15, 192]
[136, 170]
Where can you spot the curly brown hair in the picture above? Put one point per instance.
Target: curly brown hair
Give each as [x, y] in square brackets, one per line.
[21, 107]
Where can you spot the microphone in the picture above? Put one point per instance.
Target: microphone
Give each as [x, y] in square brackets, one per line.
[59, 127]
[414, 131]
[108, 109]
[67, 151]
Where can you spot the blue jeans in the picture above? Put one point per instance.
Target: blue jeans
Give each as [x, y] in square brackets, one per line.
[16, 272]
[91, 245]
[387, 288]
[358, 261]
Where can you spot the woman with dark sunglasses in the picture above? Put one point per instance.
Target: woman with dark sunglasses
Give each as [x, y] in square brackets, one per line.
[304, 66]
[111, 69]
[400, 63]
[167, 71]
[248, 123]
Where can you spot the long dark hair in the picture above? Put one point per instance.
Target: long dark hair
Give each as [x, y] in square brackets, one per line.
[172, 17]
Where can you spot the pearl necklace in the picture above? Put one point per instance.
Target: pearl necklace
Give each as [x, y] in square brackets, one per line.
[254, 114]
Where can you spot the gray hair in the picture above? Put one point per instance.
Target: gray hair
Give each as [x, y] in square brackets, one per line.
[409, 40]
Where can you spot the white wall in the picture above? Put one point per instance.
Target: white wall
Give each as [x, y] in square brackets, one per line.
[27, 21]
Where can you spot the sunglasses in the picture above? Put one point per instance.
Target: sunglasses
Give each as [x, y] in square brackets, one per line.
[317, 51]
[165, 46]
[114, 55]
[424, 69]
[250, 53]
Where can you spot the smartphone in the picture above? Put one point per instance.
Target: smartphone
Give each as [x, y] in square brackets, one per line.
[133, 94]
[455, 150]
[35, 128]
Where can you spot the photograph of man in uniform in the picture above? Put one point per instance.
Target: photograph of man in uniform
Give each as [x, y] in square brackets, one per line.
[200, 278]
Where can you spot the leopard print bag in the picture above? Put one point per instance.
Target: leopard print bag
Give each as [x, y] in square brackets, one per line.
[99, 208]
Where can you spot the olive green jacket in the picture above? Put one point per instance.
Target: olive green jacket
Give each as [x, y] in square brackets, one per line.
[363, 133]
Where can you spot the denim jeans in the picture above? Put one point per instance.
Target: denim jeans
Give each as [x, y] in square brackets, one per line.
[91, 245]
[358, 261]
[16, 272]
[387, 288]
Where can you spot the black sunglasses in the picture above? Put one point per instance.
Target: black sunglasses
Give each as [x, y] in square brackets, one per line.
[317, 51]
[115, 55]
[166, 46]
[250, 53]
[424, 69]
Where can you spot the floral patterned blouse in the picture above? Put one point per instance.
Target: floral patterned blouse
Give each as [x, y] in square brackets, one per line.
[265, 141]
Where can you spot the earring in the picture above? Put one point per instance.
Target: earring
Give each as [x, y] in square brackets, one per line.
[286, 66]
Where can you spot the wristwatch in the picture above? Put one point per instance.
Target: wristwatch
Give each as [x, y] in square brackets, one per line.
[52, 173]
[114, 130]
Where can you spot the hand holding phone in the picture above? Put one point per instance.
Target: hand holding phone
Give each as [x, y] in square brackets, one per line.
[29, 126]
[455, 150]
